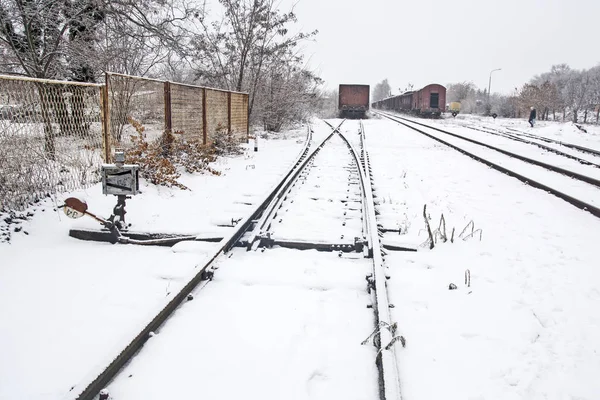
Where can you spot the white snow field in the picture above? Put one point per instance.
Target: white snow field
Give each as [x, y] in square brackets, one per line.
[67, 305]
[563, 131]
[277, 323]
[287, 324]
[528, 325]
[582, 190]
[318, 195]
[283, 324]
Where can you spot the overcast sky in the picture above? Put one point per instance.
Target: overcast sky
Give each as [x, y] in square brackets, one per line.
[444, 41]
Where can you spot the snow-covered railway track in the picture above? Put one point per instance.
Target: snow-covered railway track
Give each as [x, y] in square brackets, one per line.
[331, 207]
[279, 321]
[107, 369]
[575, 188]
[556, 149]
[321, 209]
[554, 141]
[566, 149]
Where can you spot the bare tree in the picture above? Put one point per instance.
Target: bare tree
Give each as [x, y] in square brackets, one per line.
[287, 94]
[575, 92]
[328, 104]
[551, 85]
[236, 50]
[594, 91]
[382, 90]
[61, 39]
[460, 91]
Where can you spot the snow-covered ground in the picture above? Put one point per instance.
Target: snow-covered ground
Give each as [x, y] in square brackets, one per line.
[527, 327]
[279, 323]
[319, 193]
[283, 324]
[66, 304]
[530, 151]
[563, 131]
[586, 192]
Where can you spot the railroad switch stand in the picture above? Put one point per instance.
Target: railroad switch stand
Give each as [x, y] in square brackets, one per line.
[121, 180]
[119, 211]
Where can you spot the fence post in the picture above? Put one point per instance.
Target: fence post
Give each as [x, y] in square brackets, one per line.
[105, 116]
[229, 113]
[204, 136]
[247, 118]
[168, 119]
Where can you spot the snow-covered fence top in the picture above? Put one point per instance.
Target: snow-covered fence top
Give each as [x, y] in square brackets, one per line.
[54, 135]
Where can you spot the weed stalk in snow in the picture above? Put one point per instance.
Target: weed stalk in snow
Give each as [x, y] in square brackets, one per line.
[431, 242]
[468, 278]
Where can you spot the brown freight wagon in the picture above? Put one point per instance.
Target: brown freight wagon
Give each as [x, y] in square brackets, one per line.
[430, 101]
[353, 100]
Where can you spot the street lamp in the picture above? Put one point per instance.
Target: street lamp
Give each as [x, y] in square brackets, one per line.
[490, 83]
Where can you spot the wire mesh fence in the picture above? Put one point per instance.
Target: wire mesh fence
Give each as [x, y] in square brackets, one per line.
[50, 138]
[55, 135]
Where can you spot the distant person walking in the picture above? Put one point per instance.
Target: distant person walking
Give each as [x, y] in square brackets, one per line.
[532, 116]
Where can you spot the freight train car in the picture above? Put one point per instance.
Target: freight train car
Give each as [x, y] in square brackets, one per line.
[353, 101]
[428, 101]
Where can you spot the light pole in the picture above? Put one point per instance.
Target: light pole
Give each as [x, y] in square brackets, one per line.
[490, 83]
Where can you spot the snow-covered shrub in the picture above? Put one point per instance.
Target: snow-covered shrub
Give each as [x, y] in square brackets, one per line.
[224, 143]
[162, 160]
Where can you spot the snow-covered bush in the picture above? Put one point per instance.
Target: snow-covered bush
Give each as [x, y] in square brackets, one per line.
[161, 161]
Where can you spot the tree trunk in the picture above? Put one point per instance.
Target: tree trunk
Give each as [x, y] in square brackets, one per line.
[61, 109]
[575, 112]
[238, 86]
[585, 116]
[597, 113]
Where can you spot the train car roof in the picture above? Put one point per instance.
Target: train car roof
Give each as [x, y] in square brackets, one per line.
[397, 95]
[433, 84]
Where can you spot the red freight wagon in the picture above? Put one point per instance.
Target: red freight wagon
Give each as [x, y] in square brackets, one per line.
[353, 100]
[431, 100]
[428, 101]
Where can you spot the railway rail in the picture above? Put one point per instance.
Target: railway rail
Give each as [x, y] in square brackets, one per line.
[531, 141]
[350, 217]
[559, 142]
[583, 184]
